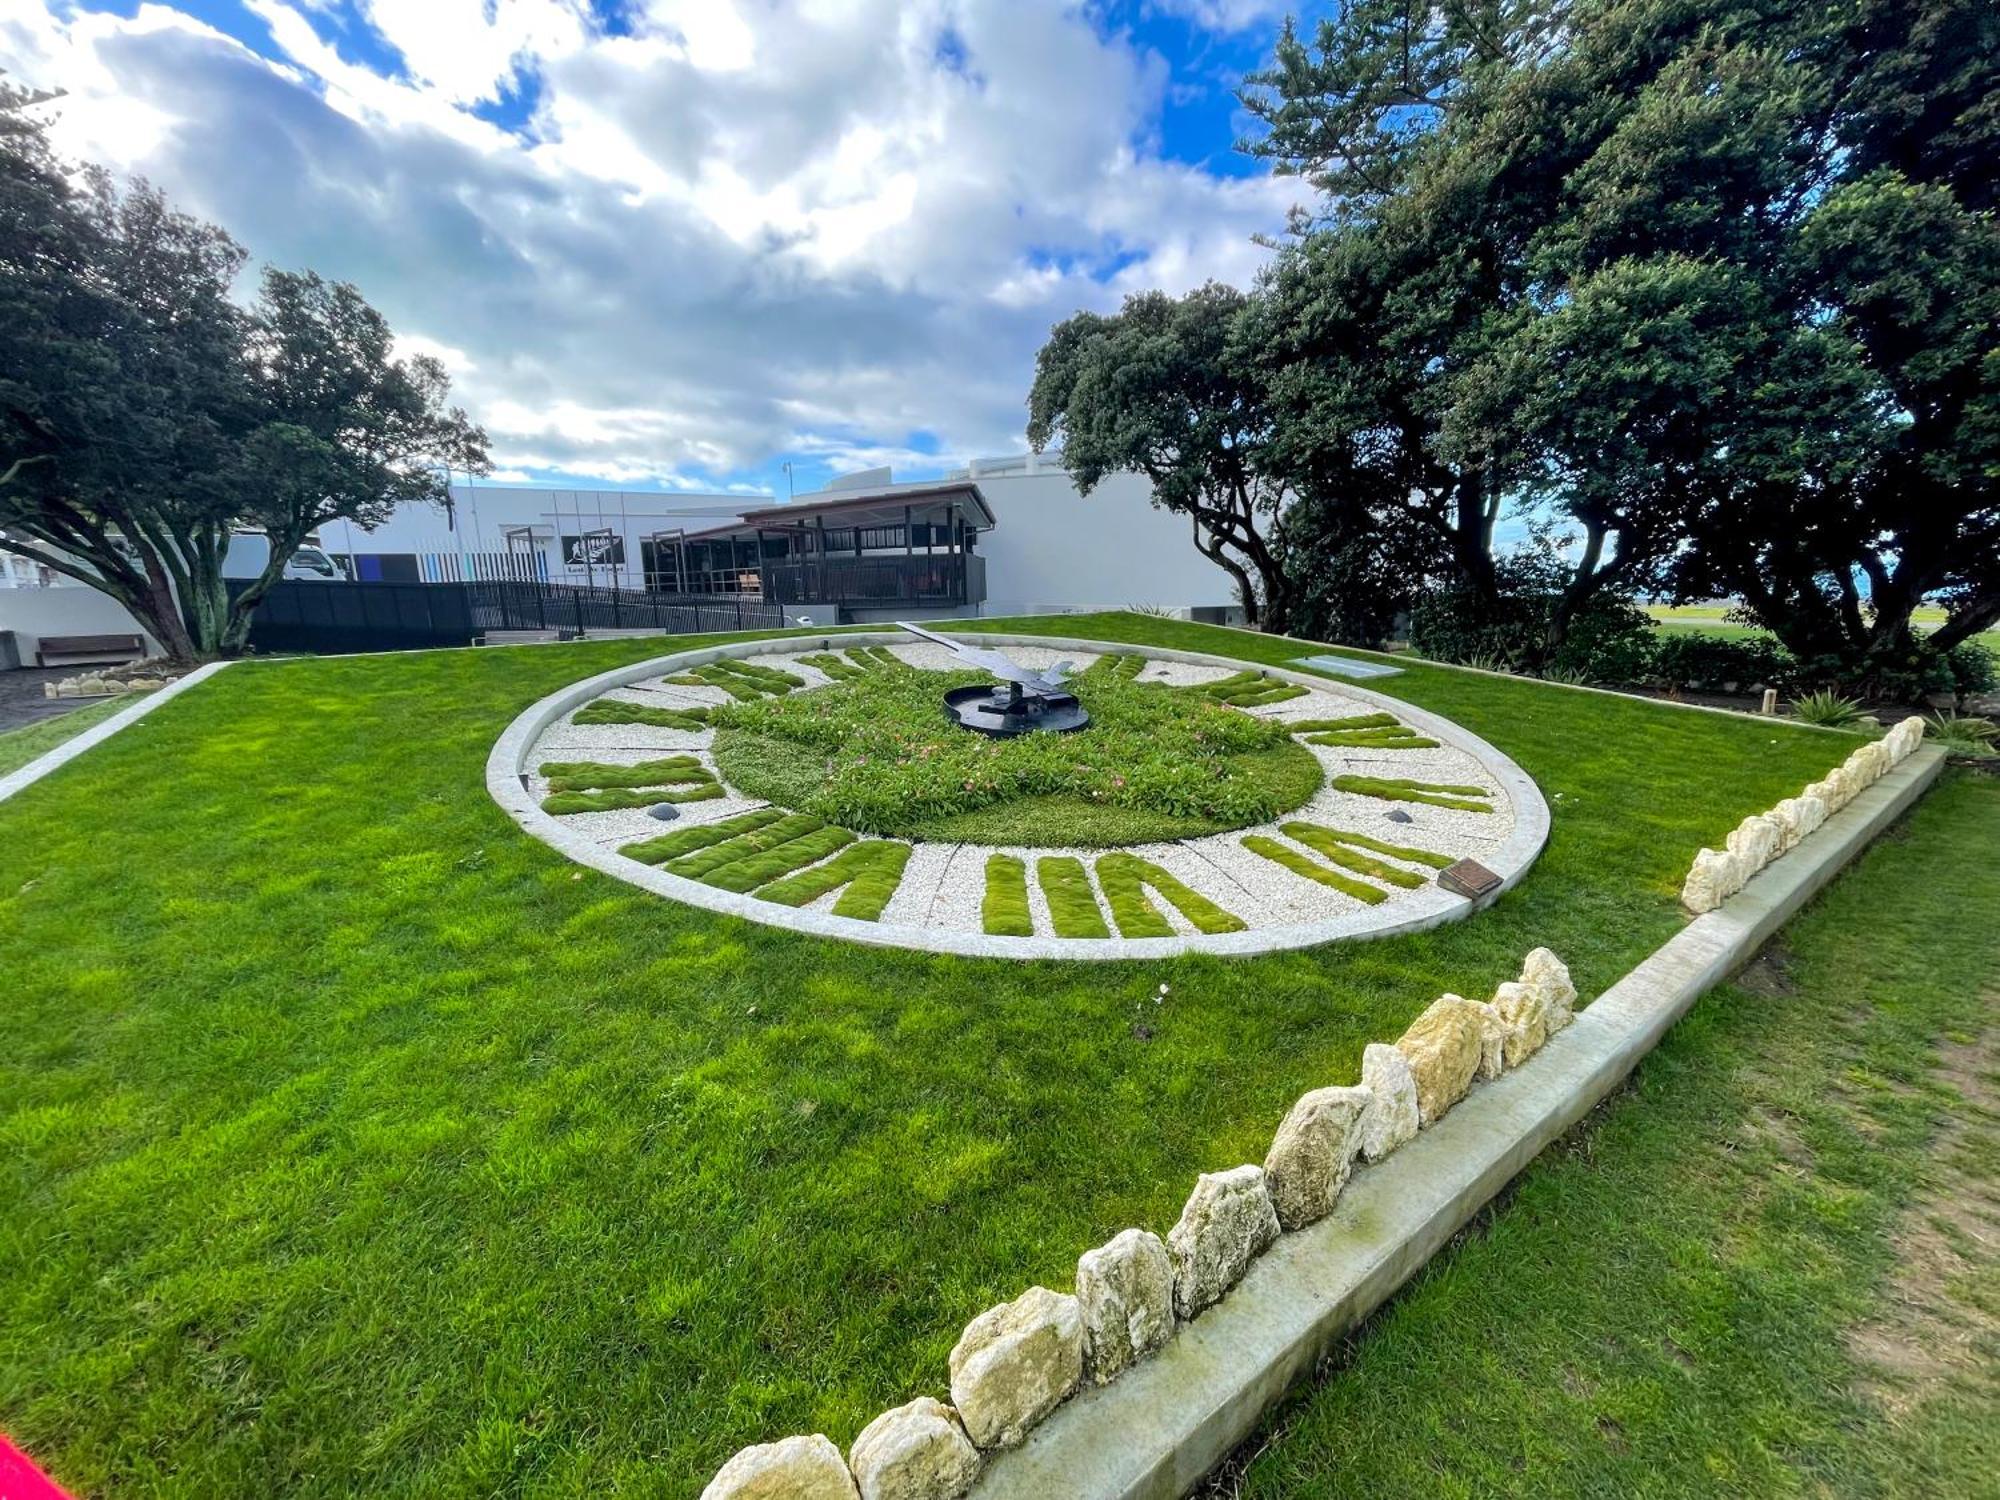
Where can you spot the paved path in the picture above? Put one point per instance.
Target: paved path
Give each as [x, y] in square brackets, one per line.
[21, 700]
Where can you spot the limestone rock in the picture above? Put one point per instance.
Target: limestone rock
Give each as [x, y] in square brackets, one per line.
[1543, 971]
[1869, 763]
[1443, 1048]
[1755, 841]
[1715, 876]
[1014, 1364]
[916, 1452]
[1125, 1290]
[794, 1468]
[1391, 1116]
[1797, 818]
[1227, 1223]
[1312, 1154]
[1905, 737]
[1524, 1008]
[1492, 1040]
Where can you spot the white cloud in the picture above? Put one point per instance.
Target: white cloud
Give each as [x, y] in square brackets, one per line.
[836, 228]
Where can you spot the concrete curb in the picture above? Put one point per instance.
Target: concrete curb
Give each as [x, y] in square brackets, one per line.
[97, 734]
[1155, 1432]
[509, 758]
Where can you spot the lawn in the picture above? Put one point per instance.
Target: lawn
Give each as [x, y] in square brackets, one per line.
[1713, 619]
[357, 1142]
[1767, 1267]
[32, 741]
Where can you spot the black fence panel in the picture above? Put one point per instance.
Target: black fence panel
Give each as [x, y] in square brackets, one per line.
[332, 618]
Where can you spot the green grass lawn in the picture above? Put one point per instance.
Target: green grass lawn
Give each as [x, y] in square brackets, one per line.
[357, 1142]
[1767, 1267]
[1713, 619]
[32, 741]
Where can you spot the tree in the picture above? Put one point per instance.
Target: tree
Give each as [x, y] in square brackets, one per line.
[1713, 283]
[1165, 387]
[144, 415]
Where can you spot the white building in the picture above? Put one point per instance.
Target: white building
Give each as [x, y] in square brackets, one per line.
[1001, 537]
[865, 547]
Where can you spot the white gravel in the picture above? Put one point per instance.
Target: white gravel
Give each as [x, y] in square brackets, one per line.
[944, 886]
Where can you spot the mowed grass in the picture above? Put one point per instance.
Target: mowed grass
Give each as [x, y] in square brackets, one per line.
[1713, 619]
[33, 741]
[1767, 1267]
[356, 1142]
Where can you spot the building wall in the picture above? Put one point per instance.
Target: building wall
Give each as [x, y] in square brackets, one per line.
[1054, 549]
[81, 610]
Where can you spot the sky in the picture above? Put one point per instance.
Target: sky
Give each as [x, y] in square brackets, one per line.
[680, 244]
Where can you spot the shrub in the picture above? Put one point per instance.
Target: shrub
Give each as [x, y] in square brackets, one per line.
[1828, 710]
[1699, 662]
[1962, 734]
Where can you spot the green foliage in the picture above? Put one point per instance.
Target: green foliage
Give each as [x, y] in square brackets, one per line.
[742, 680]
[619, 711]
[870, 871]
[310, 989]
[833, 664]
[1528, 626]
[757, 841]
[1962, 734]
[1363, 731]
[755, 867]
[1312, 869]
[878, 755]
[1003, 910]
[1125, 879]
[1122, 664]
[1247, 690]
[1338, 848]
[1828, 710]
[1362, 841]
[1776, 1187]
[1164, 387]
[581, 775]
[1396, 789]
[1073, 910]
[614, 799]
[683, 841]
[145, 413]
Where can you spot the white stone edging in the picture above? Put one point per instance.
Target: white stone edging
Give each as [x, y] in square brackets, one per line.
[1165, 1423]
[508, 763]
[97, 734]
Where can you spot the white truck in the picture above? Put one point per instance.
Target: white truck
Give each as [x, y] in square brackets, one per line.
[250, 551]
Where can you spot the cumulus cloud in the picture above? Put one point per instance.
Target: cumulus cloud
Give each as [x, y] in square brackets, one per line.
[733, 230]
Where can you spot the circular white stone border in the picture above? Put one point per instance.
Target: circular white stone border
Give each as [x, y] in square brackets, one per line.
[508, 763]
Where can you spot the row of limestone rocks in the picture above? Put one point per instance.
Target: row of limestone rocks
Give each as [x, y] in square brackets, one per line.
[100, 685]
[1718, 874]
[1016, 1363]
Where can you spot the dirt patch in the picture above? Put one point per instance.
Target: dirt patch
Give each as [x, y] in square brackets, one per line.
[1769, 974]
[1936, 1328]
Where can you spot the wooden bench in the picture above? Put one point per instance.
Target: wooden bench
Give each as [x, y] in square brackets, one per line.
[76, 649]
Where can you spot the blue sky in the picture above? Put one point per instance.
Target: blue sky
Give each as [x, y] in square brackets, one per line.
[680, 243]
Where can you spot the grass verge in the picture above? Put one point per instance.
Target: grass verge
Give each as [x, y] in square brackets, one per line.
[358, 1143]
[1766, 1267]
[33, 741]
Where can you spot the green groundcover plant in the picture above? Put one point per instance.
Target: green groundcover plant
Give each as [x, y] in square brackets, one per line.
[877, 754]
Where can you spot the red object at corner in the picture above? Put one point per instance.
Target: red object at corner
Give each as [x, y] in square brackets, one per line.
[21, 1480]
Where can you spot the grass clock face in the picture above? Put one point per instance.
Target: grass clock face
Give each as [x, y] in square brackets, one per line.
[1206, 805]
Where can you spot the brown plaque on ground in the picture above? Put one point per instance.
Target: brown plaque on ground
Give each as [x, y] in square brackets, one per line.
[1470, 879]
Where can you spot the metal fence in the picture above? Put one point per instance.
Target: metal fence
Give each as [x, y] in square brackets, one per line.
[332, 618]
